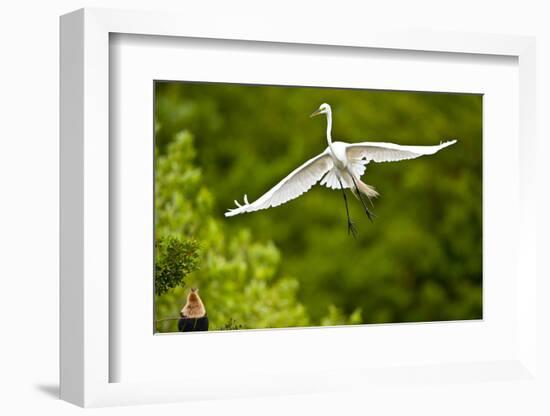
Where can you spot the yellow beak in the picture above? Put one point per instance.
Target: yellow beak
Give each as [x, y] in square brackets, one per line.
[316, 112]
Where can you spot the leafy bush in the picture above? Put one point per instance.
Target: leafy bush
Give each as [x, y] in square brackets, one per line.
[239, 278]
[174, 260]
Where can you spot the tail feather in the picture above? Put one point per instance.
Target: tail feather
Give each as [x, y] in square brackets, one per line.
[365, 189]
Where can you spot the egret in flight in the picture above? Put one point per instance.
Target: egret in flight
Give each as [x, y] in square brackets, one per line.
[340, 166]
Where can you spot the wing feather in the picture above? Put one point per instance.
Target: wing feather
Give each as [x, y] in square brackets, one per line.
[390, 152]
[292, 186]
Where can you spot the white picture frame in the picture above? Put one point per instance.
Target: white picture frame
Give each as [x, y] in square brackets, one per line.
[86, 261]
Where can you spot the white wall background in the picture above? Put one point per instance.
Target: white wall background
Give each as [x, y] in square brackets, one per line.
[29, 102]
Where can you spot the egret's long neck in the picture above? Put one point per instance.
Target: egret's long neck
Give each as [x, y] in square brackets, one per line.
[329, 127]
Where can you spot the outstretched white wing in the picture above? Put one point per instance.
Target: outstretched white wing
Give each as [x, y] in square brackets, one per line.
[390, 152]
[294, 185]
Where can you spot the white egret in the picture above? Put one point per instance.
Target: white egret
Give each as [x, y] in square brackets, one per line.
[340, 166]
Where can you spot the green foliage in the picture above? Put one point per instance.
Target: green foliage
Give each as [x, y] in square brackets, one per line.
[337, 317]
[238, 277]
[231, 325]
[420, 260]
[173, 261]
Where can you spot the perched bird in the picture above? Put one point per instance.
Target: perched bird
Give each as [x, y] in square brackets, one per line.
[340, 166]
[193, 314]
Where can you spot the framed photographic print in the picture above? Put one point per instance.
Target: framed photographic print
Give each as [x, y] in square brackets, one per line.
[322, 260]
[204, 211]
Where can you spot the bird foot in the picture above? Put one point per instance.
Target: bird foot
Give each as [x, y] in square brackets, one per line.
[351, 229]
[370, 214]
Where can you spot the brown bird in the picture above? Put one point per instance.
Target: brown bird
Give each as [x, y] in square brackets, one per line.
[193, 314]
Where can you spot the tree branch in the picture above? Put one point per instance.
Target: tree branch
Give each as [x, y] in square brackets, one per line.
[167, 319]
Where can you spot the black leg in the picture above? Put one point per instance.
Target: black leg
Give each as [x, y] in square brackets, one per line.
[369, 213]
[351, 226]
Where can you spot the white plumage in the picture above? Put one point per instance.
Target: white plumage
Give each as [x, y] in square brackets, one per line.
[341, 165]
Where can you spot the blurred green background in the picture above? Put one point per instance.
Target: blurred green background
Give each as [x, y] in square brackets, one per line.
[295, 265]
